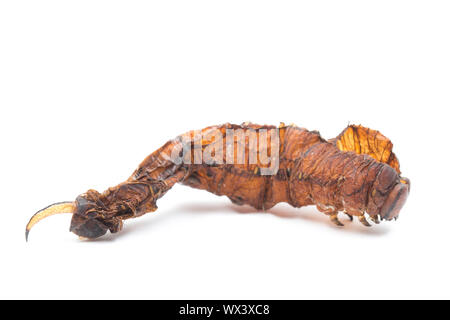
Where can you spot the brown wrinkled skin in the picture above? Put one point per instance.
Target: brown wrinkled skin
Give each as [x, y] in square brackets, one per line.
[356, 172]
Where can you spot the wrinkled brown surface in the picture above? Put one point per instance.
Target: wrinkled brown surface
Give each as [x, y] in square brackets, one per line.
[312, 170]
[354, 172]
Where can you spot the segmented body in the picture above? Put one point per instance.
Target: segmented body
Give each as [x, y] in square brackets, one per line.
[260, 166]
[311, 171]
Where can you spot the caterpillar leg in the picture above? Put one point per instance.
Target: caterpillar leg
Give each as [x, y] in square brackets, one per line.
[349, 216]
[363, 220]
[375, 219]
[334, 218]
[331, 212]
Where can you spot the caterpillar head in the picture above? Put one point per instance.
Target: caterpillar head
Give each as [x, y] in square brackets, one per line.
[395, 200]
[389, 194]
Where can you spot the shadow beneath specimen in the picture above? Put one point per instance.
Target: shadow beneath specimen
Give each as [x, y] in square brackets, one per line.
[283, 211]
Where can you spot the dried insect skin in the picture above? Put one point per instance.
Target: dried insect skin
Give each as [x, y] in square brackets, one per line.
[355, 173]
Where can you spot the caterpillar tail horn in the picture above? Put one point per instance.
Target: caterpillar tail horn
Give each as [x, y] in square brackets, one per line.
[56, 208]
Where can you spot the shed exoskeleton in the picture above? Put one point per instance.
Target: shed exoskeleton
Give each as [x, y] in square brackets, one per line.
[356, 173]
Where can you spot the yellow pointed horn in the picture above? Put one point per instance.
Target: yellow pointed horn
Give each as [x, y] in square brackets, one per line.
[56, 208]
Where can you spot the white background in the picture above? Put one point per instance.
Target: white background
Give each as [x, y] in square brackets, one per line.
[89, 88]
